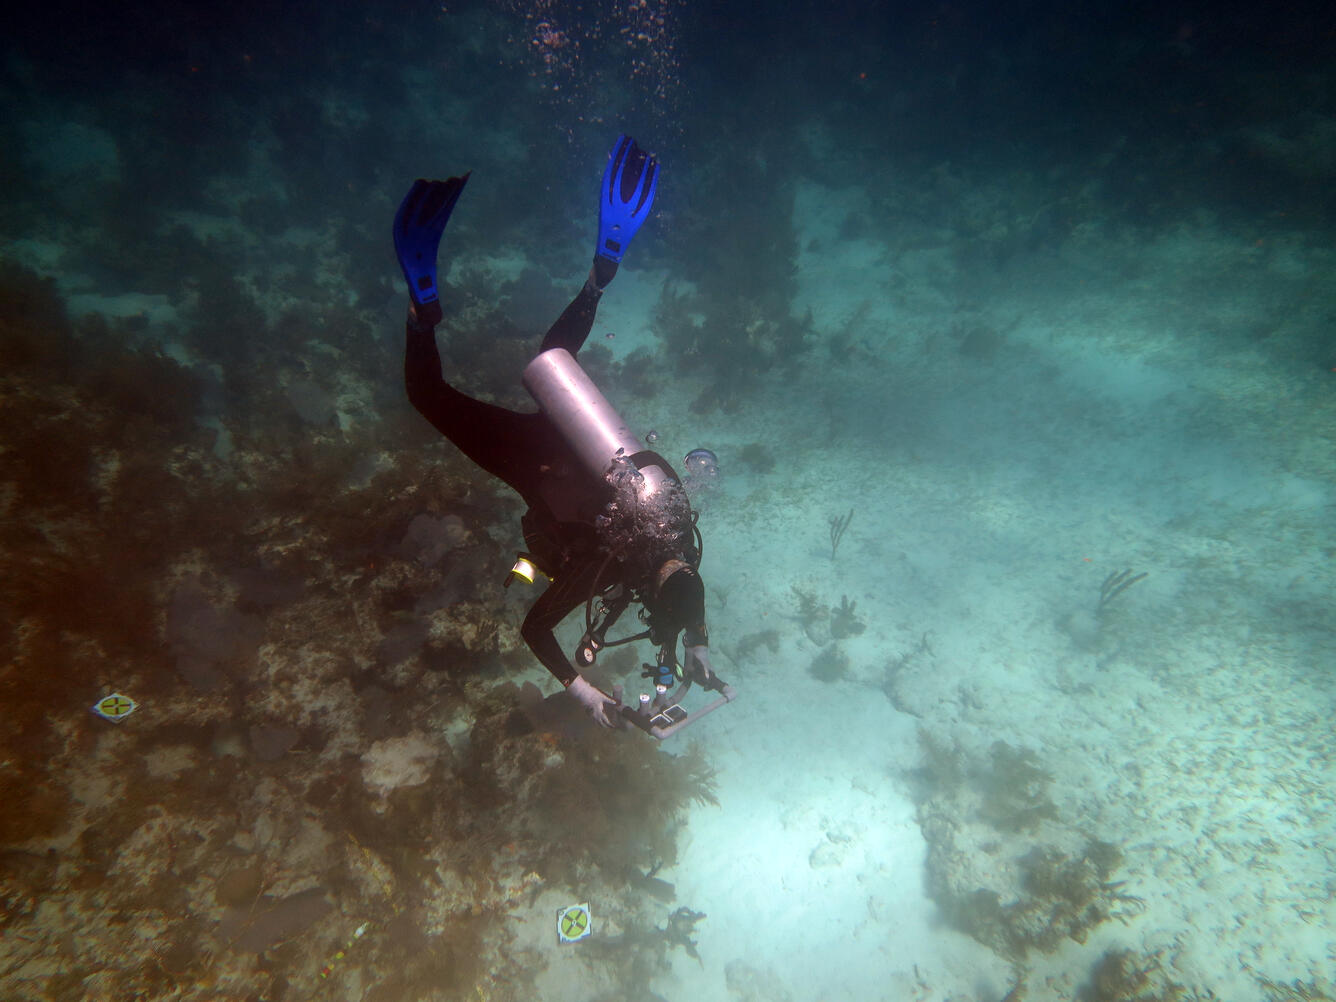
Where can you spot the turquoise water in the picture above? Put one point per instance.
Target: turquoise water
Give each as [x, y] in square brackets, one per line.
[1010, 332]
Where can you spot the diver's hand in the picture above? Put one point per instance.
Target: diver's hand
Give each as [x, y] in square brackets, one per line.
[698, 659]
[593, 699]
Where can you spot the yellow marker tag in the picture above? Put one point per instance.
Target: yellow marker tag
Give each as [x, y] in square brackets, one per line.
[115, 707]
[573, 923]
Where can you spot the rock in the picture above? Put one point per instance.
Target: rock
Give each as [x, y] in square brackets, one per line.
[398, 762]
[275, 922]
[238, 888]
[268, 744]
[751, 984]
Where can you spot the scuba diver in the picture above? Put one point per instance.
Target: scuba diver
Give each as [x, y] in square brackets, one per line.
[608, 523]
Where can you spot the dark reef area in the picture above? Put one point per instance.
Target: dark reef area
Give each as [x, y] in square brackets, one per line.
[303, 616]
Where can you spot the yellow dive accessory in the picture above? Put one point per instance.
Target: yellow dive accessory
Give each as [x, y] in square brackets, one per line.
[524, 568]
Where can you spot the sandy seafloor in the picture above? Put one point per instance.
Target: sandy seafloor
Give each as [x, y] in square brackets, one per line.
[991, 498]
[1007, 434]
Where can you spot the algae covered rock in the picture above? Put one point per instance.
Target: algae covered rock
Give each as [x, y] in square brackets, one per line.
[1002, 865]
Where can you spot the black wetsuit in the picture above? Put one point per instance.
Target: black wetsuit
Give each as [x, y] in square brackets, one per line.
[531, 455]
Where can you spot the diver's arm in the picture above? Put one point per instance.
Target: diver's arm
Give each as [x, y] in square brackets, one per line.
[537, 633]
[570, 589]
[696, 652]
[546, 613]
[550, 609]
[697, 658]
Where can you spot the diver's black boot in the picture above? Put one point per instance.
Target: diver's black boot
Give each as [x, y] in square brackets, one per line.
[601, 273]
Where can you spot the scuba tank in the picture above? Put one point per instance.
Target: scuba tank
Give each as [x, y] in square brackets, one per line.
[586, 420]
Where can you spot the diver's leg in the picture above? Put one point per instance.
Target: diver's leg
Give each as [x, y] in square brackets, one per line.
[577, 320]
[505, 443]
[625, 196]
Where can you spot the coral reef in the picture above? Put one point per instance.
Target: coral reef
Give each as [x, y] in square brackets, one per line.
[984, 818]
[328, 735]
[843, 622]
[826, 628]
[640, 950]
[1124, 976]
[813, 615]
[830, 665]
[751, 643]
[1087, 627]
[1318, 990]
[1015, 790]
[735, 323]
[839, 525]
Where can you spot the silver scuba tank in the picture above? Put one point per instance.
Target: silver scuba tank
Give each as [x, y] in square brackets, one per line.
[584, 417]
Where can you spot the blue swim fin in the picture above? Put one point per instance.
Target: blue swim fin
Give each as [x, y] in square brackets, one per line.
[624, 200]
[418, 226]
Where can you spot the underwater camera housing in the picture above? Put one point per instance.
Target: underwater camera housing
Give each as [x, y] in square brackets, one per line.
[663, 715]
